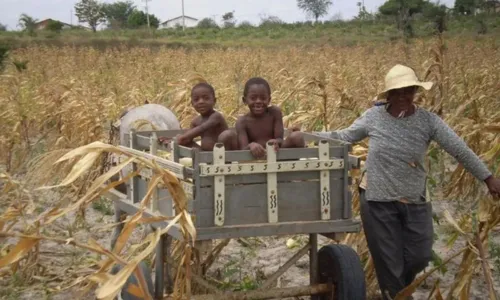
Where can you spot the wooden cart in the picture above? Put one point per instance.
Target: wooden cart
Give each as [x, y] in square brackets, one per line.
[231, 195]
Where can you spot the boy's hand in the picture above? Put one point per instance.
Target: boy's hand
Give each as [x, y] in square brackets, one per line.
[493, 186]
[164, 140]
[257, 150]
[182, 140]
[276, 144]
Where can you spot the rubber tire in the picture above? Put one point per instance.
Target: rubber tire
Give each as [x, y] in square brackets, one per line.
[341, 266]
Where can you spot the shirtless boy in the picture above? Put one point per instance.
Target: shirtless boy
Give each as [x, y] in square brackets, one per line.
[263, 123]
[209, 124]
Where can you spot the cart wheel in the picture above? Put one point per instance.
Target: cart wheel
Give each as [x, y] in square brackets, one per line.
[340, 265]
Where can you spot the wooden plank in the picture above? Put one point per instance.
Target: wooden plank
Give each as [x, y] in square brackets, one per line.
[313, 262]
[324, 183]
[346, 207]
[207, 170]
[125, 205]
[153, 150]
[197, 200]
[277, 229]
[272, 187]
[134, 192]
[283, 154]
[185, 151]
[247, 204]
[165, 202]
[354, 162]
[163, 133]
[177, 169]
[159, 269]
[337, 198]
[262, 178]
[143, 142]
[174, 153]
[219, 194]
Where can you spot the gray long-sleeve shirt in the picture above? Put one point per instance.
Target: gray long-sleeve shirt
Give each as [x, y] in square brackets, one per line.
[397, 149]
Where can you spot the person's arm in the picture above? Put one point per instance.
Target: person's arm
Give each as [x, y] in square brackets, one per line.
[354, 133]
[196, 131]
[278, 128]
[456, 147]
[241, 133]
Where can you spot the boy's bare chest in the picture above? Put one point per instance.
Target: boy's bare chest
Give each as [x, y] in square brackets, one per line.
[262, 128]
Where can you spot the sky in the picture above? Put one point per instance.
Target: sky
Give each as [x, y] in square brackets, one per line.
[244, 10]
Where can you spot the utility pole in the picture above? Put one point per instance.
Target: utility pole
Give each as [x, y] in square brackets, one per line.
[183, 18]
[147, 12]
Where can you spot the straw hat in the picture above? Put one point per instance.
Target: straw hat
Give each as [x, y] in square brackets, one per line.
[399, 77]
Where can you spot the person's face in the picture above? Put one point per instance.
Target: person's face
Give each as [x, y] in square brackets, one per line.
[257, 99]
[202, 100]
[402, 98]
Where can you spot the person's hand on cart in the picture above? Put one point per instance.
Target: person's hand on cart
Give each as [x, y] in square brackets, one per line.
[257, 150]
[164, 140]
[276, 143]
[493, 186]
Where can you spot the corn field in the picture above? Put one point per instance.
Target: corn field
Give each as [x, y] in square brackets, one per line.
[59, 107]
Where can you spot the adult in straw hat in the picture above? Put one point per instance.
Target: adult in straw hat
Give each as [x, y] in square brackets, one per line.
[395, 211]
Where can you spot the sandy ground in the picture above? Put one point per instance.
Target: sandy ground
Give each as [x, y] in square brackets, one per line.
[241, 265]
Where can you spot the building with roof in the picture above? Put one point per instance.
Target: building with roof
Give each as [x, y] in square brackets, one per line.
[176, 22]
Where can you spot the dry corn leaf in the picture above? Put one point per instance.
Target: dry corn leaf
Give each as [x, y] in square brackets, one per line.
[451, 220]
[19, 251]
[78, 169]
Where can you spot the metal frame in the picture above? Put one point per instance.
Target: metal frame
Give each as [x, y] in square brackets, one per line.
[212, 166]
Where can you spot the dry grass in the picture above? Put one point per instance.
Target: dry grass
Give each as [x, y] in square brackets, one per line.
[68, 96]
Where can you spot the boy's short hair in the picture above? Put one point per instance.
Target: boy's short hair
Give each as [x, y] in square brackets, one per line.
[204, 84]
[256, 80]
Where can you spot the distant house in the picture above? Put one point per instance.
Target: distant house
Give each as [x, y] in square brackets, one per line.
[43, 24]
[175, 22]
[492, 6]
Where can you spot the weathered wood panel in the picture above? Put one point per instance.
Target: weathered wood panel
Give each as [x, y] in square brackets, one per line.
[164, 198]
[247, 204]
[285, 228]
[262, 178]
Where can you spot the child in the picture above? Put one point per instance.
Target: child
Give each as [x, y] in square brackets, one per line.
[263, 123]
[209, 124]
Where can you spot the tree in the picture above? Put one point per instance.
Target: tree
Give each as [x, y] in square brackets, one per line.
[28, 23]
[437, 14]
[270, 21]
[3, 27]
[315, 8]
[228, 19]
[138, 19]
[117, 13]
[395, 7]
[91, 12]
[207, 23]
[362, 13]
[465, 7]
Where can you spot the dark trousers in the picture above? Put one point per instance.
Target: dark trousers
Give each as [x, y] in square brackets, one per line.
[400, 238]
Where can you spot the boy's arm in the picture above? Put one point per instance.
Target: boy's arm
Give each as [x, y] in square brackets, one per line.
[196, 131]
[241, 133]
[278, 128]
